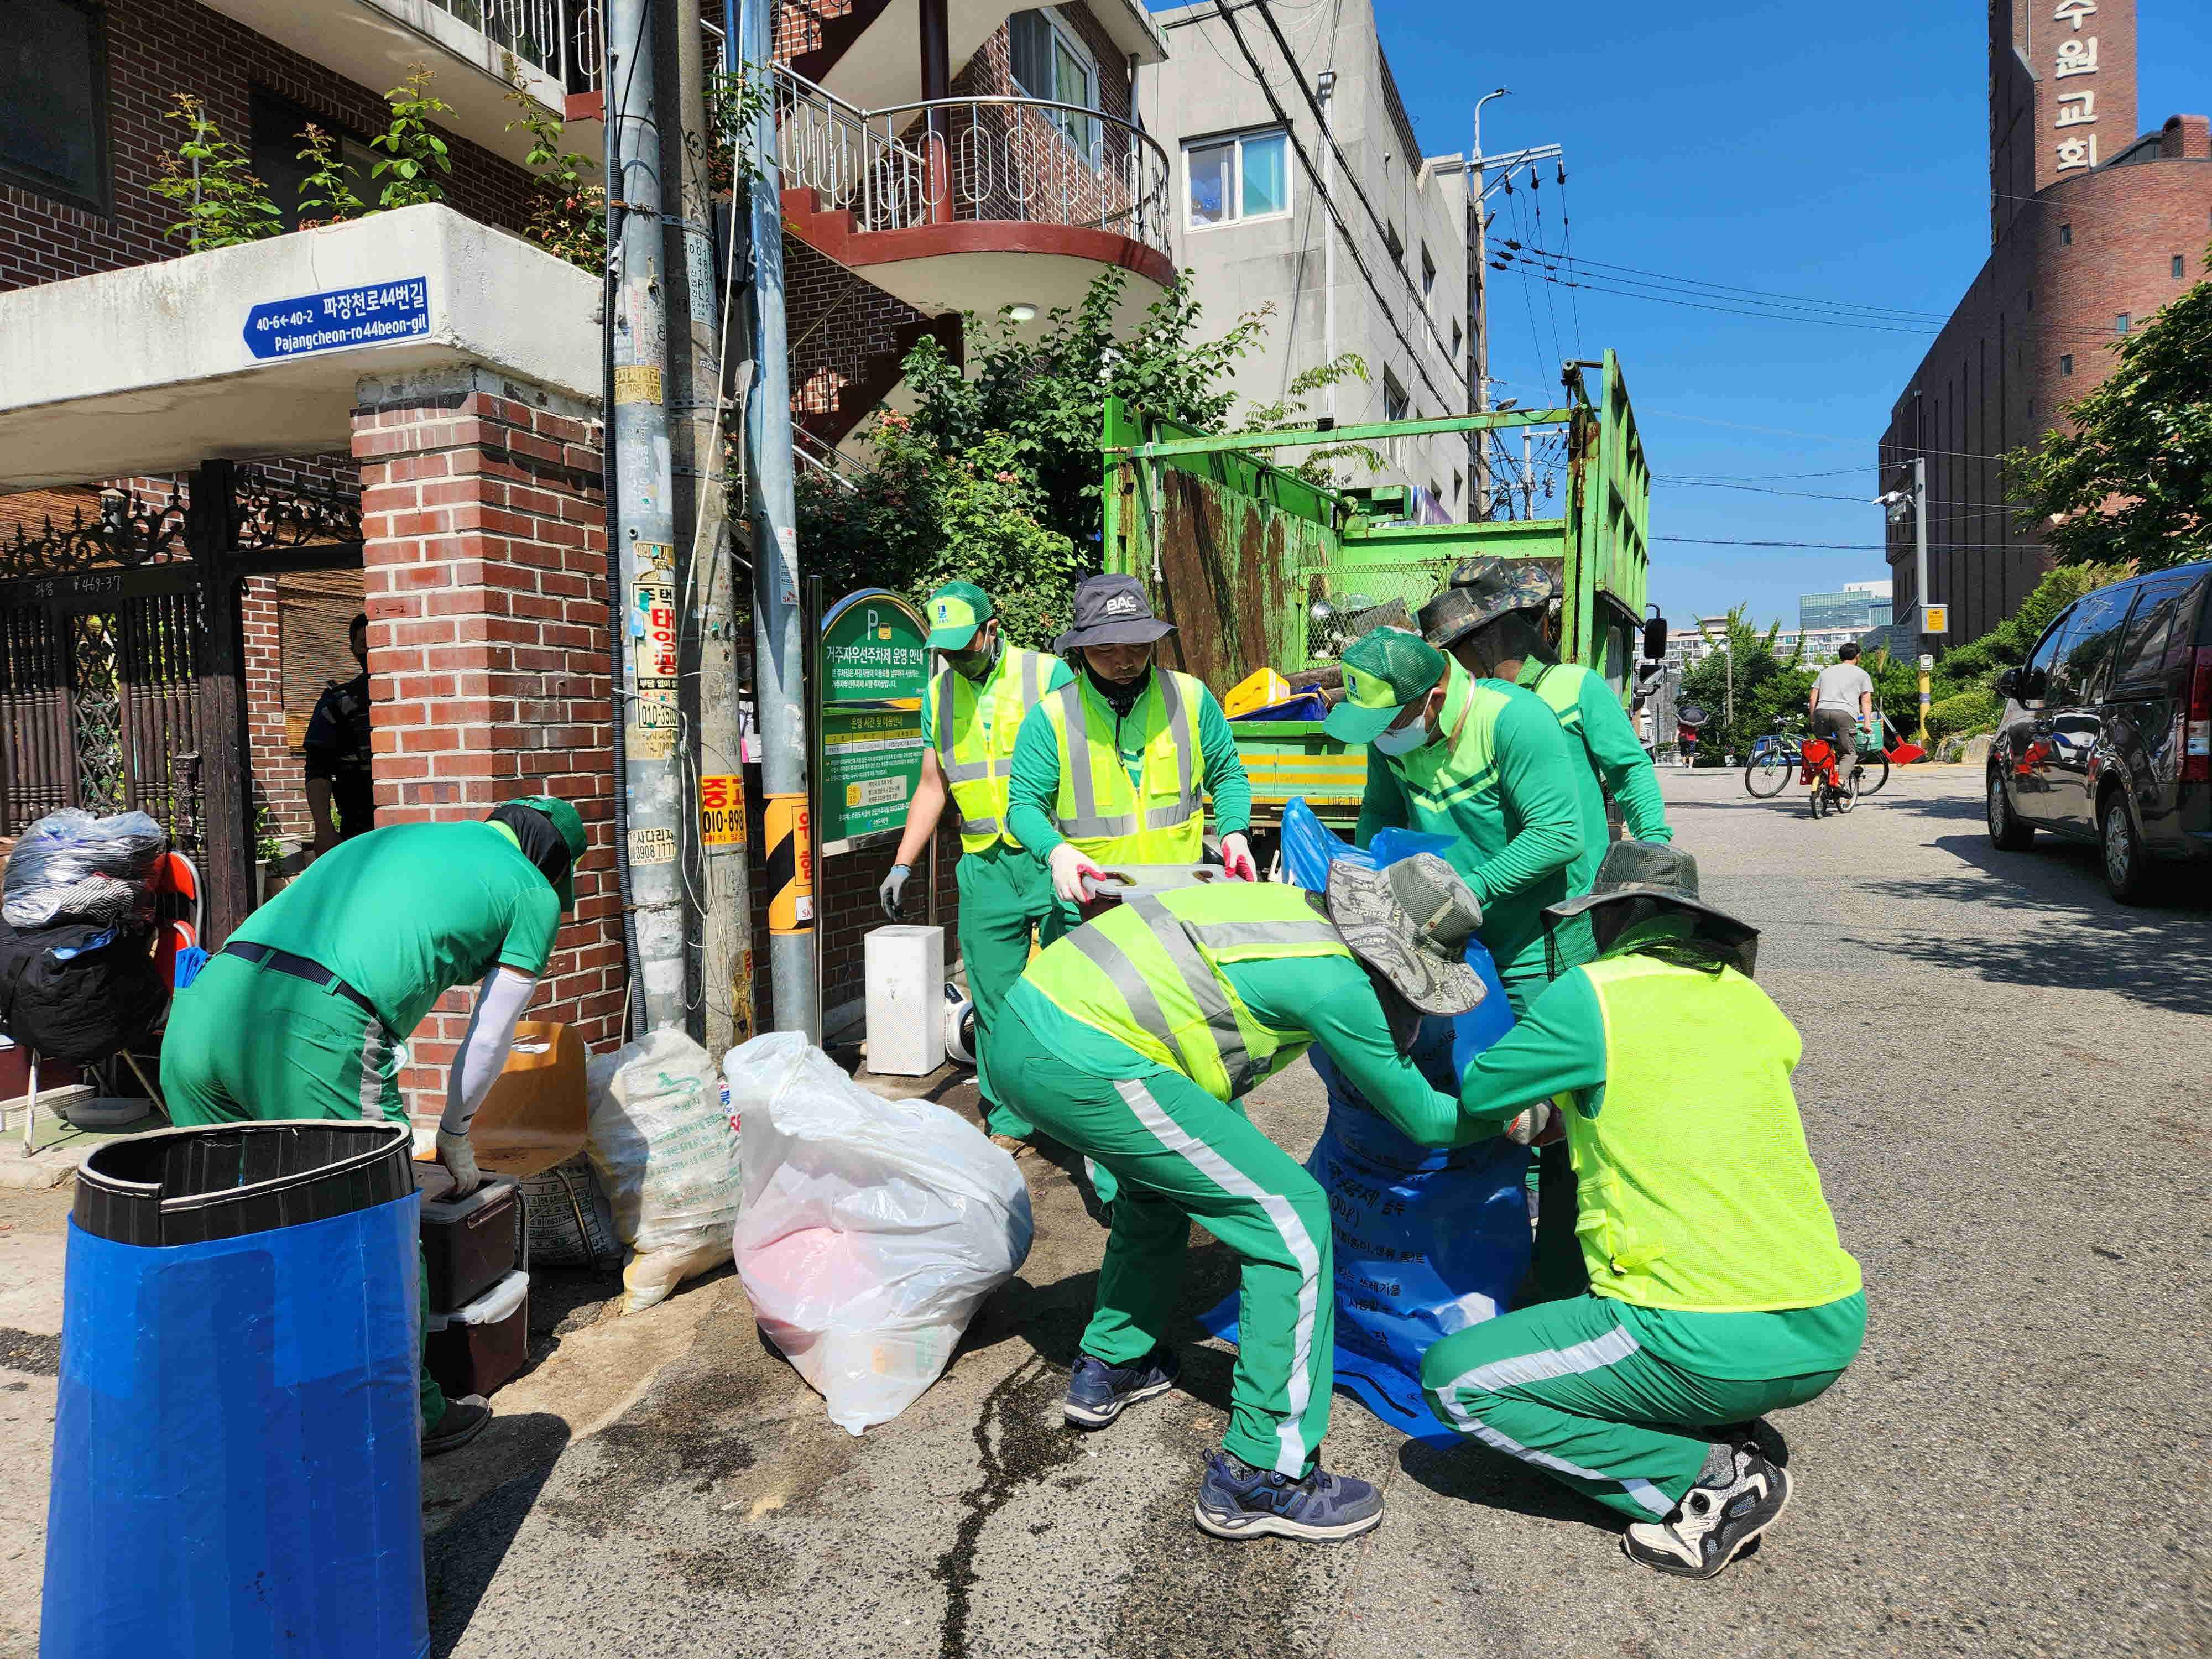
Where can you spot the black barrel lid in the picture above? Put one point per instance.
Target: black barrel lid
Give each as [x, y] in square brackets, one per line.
[226, 1180]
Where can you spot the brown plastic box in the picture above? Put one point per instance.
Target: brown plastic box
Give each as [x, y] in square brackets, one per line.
[467, 1243]
[485, 1344]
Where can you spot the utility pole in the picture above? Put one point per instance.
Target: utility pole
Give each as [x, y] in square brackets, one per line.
[718, 973]
[779, 641]
[1325, 90]
[1920, 583]
[641, 527]
[1478, 314]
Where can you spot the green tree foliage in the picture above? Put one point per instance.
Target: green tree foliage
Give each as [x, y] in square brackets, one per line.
[414, 154]
[327, 192]
[568, 212]
[1768, 686]
[213, 180]
[1323, 465]
[2132, 482]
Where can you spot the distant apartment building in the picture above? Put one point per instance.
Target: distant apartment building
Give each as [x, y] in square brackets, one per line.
[2092, 228]
[1855, 605]
[1256, 232]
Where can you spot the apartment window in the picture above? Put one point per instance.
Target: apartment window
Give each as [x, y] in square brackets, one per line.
[1052, 64]
[1394, 402]
[279, 129]
[2066, 365]
[1428, 272]
[2031, 300]
[53, 103]
[1243, 176]
[2066, 236]
[1455, 339]
[2122, 323]
[1393, 246]
[1459, 485]
[2180, 269]
[2031, 411]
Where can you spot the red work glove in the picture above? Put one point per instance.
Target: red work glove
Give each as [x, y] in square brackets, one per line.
[1236, 857]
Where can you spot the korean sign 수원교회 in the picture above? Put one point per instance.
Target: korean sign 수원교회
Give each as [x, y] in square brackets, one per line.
[874, 670]
[376, 313]
[2075, 98]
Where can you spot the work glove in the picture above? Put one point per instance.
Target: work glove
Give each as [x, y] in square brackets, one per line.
[1236, 857]
[1069, 870]
[460, 1161]
[1539, 1125]
[892, 894]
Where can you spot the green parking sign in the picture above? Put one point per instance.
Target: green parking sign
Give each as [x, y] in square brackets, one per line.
[874, 668]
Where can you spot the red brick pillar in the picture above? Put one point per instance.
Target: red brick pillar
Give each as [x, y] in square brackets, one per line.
[485, 568]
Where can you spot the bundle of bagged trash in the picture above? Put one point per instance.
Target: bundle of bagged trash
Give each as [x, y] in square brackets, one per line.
[77, 974]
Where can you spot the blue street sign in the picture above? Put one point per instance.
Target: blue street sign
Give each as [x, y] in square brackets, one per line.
[344, 318]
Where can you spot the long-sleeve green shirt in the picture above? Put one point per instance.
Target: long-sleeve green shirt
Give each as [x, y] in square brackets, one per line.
[1519, 839]
[1618, 764]
[1329, 997]
[1033, 783]
[1559, 1047]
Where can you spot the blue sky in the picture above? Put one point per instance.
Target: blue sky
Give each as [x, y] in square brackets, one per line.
[1835, 151]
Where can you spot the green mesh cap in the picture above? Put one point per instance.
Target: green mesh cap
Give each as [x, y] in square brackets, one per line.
[1383, 671]
[569, 823]
[956, 611]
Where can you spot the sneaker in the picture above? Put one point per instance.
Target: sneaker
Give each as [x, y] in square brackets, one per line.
[1238, 1501]
[1096, 1391]
[1716, 1519]
[464, 1421]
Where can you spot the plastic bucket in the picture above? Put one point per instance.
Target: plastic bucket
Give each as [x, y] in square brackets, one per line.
[236, 1455]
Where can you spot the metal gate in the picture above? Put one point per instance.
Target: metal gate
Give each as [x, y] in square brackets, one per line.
[122, 670]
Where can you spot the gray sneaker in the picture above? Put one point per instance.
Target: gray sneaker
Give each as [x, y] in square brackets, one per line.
[1716, 1519]
[1237, 1500]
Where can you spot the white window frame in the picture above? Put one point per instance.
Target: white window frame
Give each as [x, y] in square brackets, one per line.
[1064, 35]
[1238, 137]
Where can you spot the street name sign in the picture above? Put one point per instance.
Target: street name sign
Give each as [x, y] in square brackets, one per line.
[340, 319]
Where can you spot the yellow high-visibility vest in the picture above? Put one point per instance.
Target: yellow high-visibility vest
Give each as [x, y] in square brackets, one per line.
[975, 727]
[1096, 810]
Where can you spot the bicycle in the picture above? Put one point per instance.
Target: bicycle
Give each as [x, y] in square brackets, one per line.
[1780, 754]
[1817, 767]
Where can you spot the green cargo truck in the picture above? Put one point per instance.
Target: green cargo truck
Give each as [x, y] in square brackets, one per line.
[1258, 567]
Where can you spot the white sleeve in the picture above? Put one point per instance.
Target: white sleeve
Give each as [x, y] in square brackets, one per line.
[482, 1056]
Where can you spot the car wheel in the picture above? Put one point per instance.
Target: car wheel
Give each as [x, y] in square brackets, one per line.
[2008, 833]
[2127, 867]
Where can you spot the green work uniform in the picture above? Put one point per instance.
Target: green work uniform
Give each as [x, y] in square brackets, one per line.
[1717, 1290]
[1501, 780]
[1148, 730]
[1006, 890]
[1616, 766]
[1129, 1040]
[401, 916]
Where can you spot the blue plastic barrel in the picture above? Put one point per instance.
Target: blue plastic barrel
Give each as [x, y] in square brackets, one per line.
[236, 1464]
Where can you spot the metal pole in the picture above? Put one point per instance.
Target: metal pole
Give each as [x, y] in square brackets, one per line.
[779, 668]
[641, 532]
[1477, 313]
[1920, 583]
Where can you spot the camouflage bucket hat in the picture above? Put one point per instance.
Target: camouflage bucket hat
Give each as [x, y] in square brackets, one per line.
[1640, 881]
[1410, 921]
[1481, 591]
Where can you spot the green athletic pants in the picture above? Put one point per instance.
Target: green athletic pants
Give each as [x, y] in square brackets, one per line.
[248, 1044]
[1566, 1387]
[1006, 895]
[1182, 1154]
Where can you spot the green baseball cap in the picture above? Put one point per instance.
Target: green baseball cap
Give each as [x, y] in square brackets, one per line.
[956, 611]
[565, 819]
[1383, 671]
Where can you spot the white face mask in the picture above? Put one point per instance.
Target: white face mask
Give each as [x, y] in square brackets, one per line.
[1405, 739]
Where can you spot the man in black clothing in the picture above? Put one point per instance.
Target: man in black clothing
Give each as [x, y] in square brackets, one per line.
[337, 755]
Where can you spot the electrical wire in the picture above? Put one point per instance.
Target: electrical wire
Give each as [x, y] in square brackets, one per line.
[1730, 288]
[1844, 547]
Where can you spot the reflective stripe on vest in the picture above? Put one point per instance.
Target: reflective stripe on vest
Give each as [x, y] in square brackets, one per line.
[1148, 974]
[975, 763]
[1095, 808]
[1695, 1188]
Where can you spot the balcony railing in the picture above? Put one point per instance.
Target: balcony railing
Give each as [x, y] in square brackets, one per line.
[969, 160]
[536, 31]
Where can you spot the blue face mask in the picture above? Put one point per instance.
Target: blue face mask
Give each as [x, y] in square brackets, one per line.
[1405, 739]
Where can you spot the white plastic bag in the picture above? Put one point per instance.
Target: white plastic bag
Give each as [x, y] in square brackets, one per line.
[667, 1153]
[873, 1228]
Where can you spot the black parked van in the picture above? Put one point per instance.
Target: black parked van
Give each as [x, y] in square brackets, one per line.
[2107, 729]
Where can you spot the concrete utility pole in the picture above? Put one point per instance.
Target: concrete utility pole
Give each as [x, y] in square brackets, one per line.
[641, 527]
[718, 969]
[1477, 313]
[1325, 90]
[1920, 584]
[779, 641]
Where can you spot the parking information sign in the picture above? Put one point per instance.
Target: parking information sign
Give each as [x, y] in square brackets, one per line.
[381, 313]
[874, 670]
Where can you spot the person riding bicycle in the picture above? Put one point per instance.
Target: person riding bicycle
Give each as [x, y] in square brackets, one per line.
[1842, 700]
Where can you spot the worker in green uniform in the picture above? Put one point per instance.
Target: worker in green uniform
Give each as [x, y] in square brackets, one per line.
[305, 1012]
[1483, 762]
[1492, 618]
[1109, 771]
[970, 717]
[1718, 1289]
[1132, 1038]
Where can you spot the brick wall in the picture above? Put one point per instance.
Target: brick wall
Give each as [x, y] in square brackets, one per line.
[838, 324]
[156, 48]
[486, 578]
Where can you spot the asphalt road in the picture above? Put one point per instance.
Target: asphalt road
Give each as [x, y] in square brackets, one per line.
[2003, 1083]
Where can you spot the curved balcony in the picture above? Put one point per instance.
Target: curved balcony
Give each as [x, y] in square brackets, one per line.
[978, 203]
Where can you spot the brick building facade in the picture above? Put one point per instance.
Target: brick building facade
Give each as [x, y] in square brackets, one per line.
[2093, 230]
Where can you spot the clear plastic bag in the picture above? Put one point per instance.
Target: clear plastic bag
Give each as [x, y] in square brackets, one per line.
[72, 867]
[873, 1228]
[667, 1153]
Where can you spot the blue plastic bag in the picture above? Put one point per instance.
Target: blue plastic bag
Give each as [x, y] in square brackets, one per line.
[1426, 1241]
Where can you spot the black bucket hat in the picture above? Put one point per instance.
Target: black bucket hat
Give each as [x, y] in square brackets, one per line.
[1640, 881]
[1112, 611]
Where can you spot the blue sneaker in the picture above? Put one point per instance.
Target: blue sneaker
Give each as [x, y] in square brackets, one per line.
[1096, 1391]
[1238, 1501]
